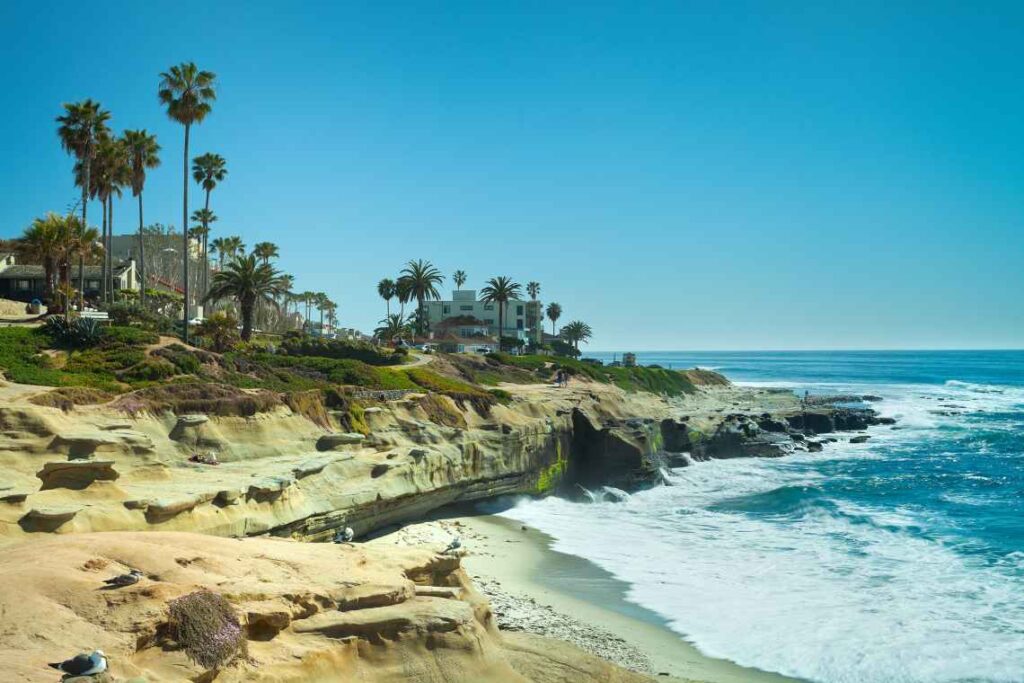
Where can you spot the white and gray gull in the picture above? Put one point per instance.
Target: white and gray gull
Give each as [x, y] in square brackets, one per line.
[123, 580]
[83, 664]
[344, 535]
[454, 546]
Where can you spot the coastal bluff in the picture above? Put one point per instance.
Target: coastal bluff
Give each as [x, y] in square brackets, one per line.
[285, 472]
[236, 505]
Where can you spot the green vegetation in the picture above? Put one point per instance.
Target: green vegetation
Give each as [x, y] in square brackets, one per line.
[300, 345]
[66, 398]
[654, 380]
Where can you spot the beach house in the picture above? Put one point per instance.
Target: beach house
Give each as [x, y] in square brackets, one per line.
[466, 317]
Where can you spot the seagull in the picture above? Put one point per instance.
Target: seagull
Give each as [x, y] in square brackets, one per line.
[344, 535]
[123, 580]
[454, 546]
[83, 664]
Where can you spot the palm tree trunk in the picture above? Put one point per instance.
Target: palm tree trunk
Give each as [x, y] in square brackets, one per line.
[109, 255]
[85, 224]
[501, 324]
[184, 235]
[246, 320]
[142, 257]
[206, 234]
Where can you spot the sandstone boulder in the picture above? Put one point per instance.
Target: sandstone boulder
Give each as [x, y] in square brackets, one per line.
[76, 474]
[331, 441]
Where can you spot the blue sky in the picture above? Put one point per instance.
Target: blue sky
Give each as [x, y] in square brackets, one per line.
[717, 175]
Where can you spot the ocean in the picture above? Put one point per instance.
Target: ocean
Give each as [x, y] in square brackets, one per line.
[900, 560]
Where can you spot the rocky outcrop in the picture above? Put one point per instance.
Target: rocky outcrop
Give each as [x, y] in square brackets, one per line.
[310, 613]
[76, 474]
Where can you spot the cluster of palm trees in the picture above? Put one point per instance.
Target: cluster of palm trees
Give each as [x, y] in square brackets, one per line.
[419, 282]
[106, 165]
[57, 242]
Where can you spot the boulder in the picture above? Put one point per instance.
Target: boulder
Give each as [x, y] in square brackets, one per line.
[860, 439]
[268, 488]
[76, 474]
[192, 420]
[330, 441]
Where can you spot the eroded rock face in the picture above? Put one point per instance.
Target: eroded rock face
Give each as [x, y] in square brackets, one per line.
[330, 441]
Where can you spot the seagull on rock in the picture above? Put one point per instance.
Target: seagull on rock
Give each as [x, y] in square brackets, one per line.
[454, 546]
[83, 664]
[123, 580]
[344, 535]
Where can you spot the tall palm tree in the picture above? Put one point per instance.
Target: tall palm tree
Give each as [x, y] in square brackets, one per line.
[386, 290]
[320, 300]
[499, 290]
[111, 172]
[533, 289]
[422, 280]
[403, 292]
[576, 332]
[220, 245]
[459, 278]
[266, 251]
[208, 170]
[554, 312]
[187, 92]
[81, 126]
[249, 283]
[287, 296]
[143, 154]
[332, 315]
[82, 242]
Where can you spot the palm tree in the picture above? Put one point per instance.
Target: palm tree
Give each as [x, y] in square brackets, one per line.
[45, 242]
[459, 278]
[208, 170]
[392, 327]
[320, 300]
[500, 290]
[422, 280]
[403, 293]
[82, 242]
[332, 315]
[249, 283]
[111, 172]
[554, 312]
[386, 288]
[236, 247]
[576, 332]
[143, 154]
[187, 92]
[533, 289]
[81, 126]
[221, 246]
[266, 251]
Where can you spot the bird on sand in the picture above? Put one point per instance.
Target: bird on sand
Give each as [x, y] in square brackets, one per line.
[123, 580]
[83, 664]
[455, 545]
[344, 535]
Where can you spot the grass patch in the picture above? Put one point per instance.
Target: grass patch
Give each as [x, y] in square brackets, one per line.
[440, 410]
[654, 380]
[66, 398]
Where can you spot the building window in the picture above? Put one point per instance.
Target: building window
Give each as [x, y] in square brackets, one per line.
[489, 321]
[466, 308]
[447, 309]
[488, 307]
[519, 310]
[23, 285]
[519, 324]
[92, 284]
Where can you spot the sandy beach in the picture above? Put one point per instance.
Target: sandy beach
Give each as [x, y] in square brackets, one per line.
[535, 589]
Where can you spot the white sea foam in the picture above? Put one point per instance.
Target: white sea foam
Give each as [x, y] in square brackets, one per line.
[826, 590]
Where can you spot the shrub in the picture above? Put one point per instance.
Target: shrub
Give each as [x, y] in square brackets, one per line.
[206, 627]
[185, 362]
[76, 333]
[219, 332]
[66, 398]
[133, 336]
[461, 392]
[199, 397]
[149, 370]
[341, 349]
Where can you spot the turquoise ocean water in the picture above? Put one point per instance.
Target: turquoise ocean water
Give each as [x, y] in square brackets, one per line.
[900, 560]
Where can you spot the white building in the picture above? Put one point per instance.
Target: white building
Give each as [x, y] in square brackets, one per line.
[466, 317]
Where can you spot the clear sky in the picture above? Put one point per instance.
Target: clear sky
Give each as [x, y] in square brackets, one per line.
[712, 175]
